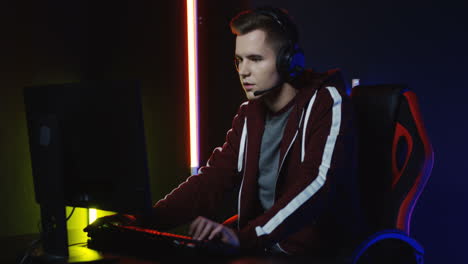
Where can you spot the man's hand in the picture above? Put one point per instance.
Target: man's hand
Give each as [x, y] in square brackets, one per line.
[203, 228]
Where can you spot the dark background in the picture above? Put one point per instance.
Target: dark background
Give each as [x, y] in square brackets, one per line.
[419, 43]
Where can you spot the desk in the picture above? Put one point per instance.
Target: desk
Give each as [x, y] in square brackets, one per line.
[217, 260]
[13, 249]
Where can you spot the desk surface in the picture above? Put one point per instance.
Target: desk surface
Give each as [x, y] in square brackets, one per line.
[266, 259]
[13, 249]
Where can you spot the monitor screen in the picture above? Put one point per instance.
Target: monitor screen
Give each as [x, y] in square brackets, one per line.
[87, 144]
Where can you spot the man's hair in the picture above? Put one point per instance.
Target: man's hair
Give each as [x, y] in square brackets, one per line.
[275, 22]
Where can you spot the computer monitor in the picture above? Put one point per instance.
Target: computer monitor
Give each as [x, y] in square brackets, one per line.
[87, 146]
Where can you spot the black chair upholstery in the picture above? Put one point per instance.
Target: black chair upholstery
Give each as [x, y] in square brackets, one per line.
[395, 162]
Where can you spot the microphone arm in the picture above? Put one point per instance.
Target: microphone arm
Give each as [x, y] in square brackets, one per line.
[257, 93]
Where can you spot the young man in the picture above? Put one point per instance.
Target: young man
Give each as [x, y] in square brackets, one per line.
[290, 149]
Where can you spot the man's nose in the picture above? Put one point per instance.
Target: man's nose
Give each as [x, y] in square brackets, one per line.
[244, 69]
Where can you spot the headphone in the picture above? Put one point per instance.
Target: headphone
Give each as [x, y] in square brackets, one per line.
[290, 60]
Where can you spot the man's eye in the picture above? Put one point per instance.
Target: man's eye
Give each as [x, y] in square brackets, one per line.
[256, 59]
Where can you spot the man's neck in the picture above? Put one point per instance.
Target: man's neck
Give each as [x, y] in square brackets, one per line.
[279, 98]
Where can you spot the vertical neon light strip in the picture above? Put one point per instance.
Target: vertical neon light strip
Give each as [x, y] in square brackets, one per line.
[193, 82]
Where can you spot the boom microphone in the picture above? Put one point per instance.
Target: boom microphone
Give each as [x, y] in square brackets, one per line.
[257, 93]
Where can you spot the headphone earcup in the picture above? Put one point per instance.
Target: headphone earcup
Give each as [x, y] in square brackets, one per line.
[296, 62]
[290, 62]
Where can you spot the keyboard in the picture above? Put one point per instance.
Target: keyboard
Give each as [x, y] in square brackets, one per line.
[144, 242]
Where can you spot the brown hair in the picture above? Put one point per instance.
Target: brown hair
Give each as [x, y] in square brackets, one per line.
[274, 22]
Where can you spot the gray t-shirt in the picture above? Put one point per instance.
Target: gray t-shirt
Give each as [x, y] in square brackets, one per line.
[269, 156]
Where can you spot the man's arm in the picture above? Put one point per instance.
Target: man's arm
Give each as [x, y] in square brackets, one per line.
[202, 194]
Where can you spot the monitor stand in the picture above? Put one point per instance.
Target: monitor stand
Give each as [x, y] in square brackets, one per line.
[54, 238]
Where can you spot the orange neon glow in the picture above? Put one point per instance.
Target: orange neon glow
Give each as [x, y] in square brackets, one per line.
[193, 80]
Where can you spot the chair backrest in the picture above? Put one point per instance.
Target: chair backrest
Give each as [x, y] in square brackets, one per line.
[395, 154]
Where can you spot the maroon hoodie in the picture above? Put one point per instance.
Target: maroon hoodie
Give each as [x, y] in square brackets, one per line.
[315, 191]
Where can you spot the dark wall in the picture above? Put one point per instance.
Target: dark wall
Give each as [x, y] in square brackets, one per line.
[422, 44]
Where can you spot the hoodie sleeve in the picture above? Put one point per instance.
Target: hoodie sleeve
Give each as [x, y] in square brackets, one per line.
[202, 194]
[321, 140]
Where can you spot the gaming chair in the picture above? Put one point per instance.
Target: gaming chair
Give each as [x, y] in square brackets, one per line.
[395, 162]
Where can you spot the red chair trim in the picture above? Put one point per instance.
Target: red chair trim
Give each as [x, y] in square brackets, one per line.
[407, 206]
[400, 131]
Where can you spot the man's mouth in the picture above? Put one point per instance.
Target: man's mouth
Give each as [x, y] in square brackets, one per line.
[248, 86]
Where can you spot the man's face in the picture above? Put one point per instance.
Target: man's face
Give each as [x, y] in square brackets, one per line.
[256, 63]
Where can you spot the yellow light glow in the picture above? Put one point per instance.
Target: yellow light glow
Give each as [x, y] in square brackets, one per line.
[193, 80]
[92, 215]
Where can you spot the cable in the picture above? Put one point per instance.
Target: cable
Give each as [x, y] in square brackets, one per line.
[79, 243]
[31, 247]
[71, 213]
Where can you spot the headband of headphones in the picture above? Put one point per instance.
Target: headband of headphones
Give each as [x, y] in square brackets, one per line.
[290, 61]
[282, 19]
